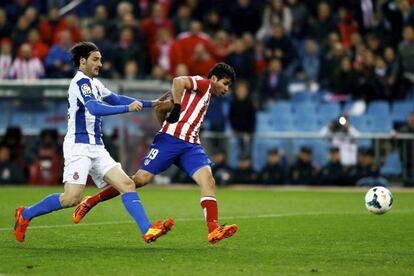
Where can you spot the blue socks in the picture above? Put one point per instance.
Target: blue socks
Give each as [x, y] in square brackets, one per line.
[134, 207]
[48, 204]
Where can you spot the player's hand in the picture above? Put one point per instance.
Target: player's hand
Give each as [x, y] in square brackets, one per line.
[174, 114]
[165, 97]
[135, 106]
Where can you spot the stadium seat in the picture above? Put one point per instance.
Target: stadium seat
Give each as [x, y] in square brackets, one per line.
[359, 122]
[304, 109]
[263, 121]
[379, 124]
[379, 108]
[282, 123]
[281, 108]
[307, 122]
[304, 96]
[329, 110]
[392, 165]
[401, 110]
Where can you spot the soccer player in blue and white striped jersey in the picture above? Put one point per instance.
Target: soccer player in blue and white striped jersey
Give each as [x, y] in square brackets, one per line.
[84, 151]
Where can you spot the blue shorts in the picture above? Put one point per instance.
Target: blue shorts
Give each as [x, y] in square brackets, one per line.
[167, 150]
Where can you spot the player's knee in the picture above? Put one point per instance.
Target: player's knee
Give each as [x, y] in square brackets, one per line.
[70, 200]
[142, 179]
[128, 185]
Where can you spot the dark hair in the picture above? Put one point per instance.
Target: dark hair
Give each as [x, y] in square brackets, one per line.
[222, 70]
[82, 50]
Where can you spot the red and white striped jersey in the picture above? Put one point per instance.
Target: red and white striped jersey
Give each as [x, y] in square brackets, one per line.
[27, 69]
[194, 103]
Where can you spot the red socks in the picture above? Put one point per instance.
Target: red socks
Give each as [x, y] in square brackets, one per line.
[105, 194]
[209, 205]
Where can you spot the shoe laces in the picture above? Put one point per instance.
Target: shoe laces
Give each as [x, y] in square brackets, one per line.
[85, 208]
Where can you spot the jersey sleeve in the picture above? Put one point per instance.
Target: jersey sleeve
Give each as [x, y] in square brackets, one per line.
[85, 90]
[199, 84]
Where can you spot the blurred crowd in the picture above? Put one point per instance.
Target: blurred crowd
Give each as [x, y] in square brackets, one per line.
[355, 49]
[358, 48]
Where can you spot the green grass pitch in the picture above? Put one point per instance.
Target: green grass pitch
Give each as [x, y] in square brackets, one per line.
[281, 232]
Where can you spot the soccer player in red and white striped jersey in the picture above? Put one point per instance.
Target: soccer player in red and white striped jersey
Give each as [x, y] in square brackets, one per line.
[26, 67]
[178, 143]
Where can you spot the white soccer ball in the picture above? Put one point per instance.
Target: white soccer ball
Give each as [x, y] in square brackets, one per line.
[378, 200]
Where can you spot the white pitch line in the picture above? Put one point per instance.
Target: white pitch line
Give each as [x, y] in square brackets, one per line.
[195, 219]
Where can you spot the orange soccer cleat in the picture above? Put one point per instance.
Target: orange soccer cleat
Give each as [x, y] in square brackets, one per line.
[158, 229]
[222, 232]
[21, 224]
[81, 211]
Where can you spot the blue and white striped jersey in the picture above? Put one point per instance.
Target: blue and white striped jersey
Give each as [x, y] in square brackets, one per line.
[83, 127]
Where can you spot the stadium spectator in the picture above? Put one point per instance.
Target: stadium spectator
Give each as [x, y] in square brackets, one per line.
[259, 58]
[20, 32]
[222, 172]
[5, 25]
[244, 172]
[181, 70]
[101, 18]
[213, 22]
[98, 36]
[132, 71]
[343, 79]
[157, 73]
[31, 15]
[303, 171]
[222, 44]
[189, 40]
[280, 46]
[272, 85]
[166, 52]
[14, 140]
[201, 61]
[346, 27]
[69, 23]
[324, 24]
[58, 61]
[15, 9]
[39, 49]
[374, 44]
[397, 14]
[26, 67]
[242, 117]
[406, 52]
[333, 172]
[310, 64]
[393, 72]
[244, 17]
[150, 26]
[275, 13]
[217, 120]
[49, 25]
[10, 172]
[126, 50]
[242, 60]
[344, 136]
[274, 172]
[331, 60]
[6, 58]
[300, 15]
[364, 168]
[182, 20]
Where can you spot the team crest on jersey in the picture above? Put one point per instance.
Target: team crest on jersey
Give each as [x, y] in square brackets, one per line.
[86, 89]
[75, 175]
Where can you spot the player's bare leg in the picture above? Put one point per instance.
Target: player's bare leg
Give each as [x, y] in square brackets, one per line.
[71, 196]
[205, 180]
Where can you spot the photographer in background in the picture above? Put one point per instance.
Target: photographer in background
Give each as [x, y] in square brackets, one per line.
[344, 136]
